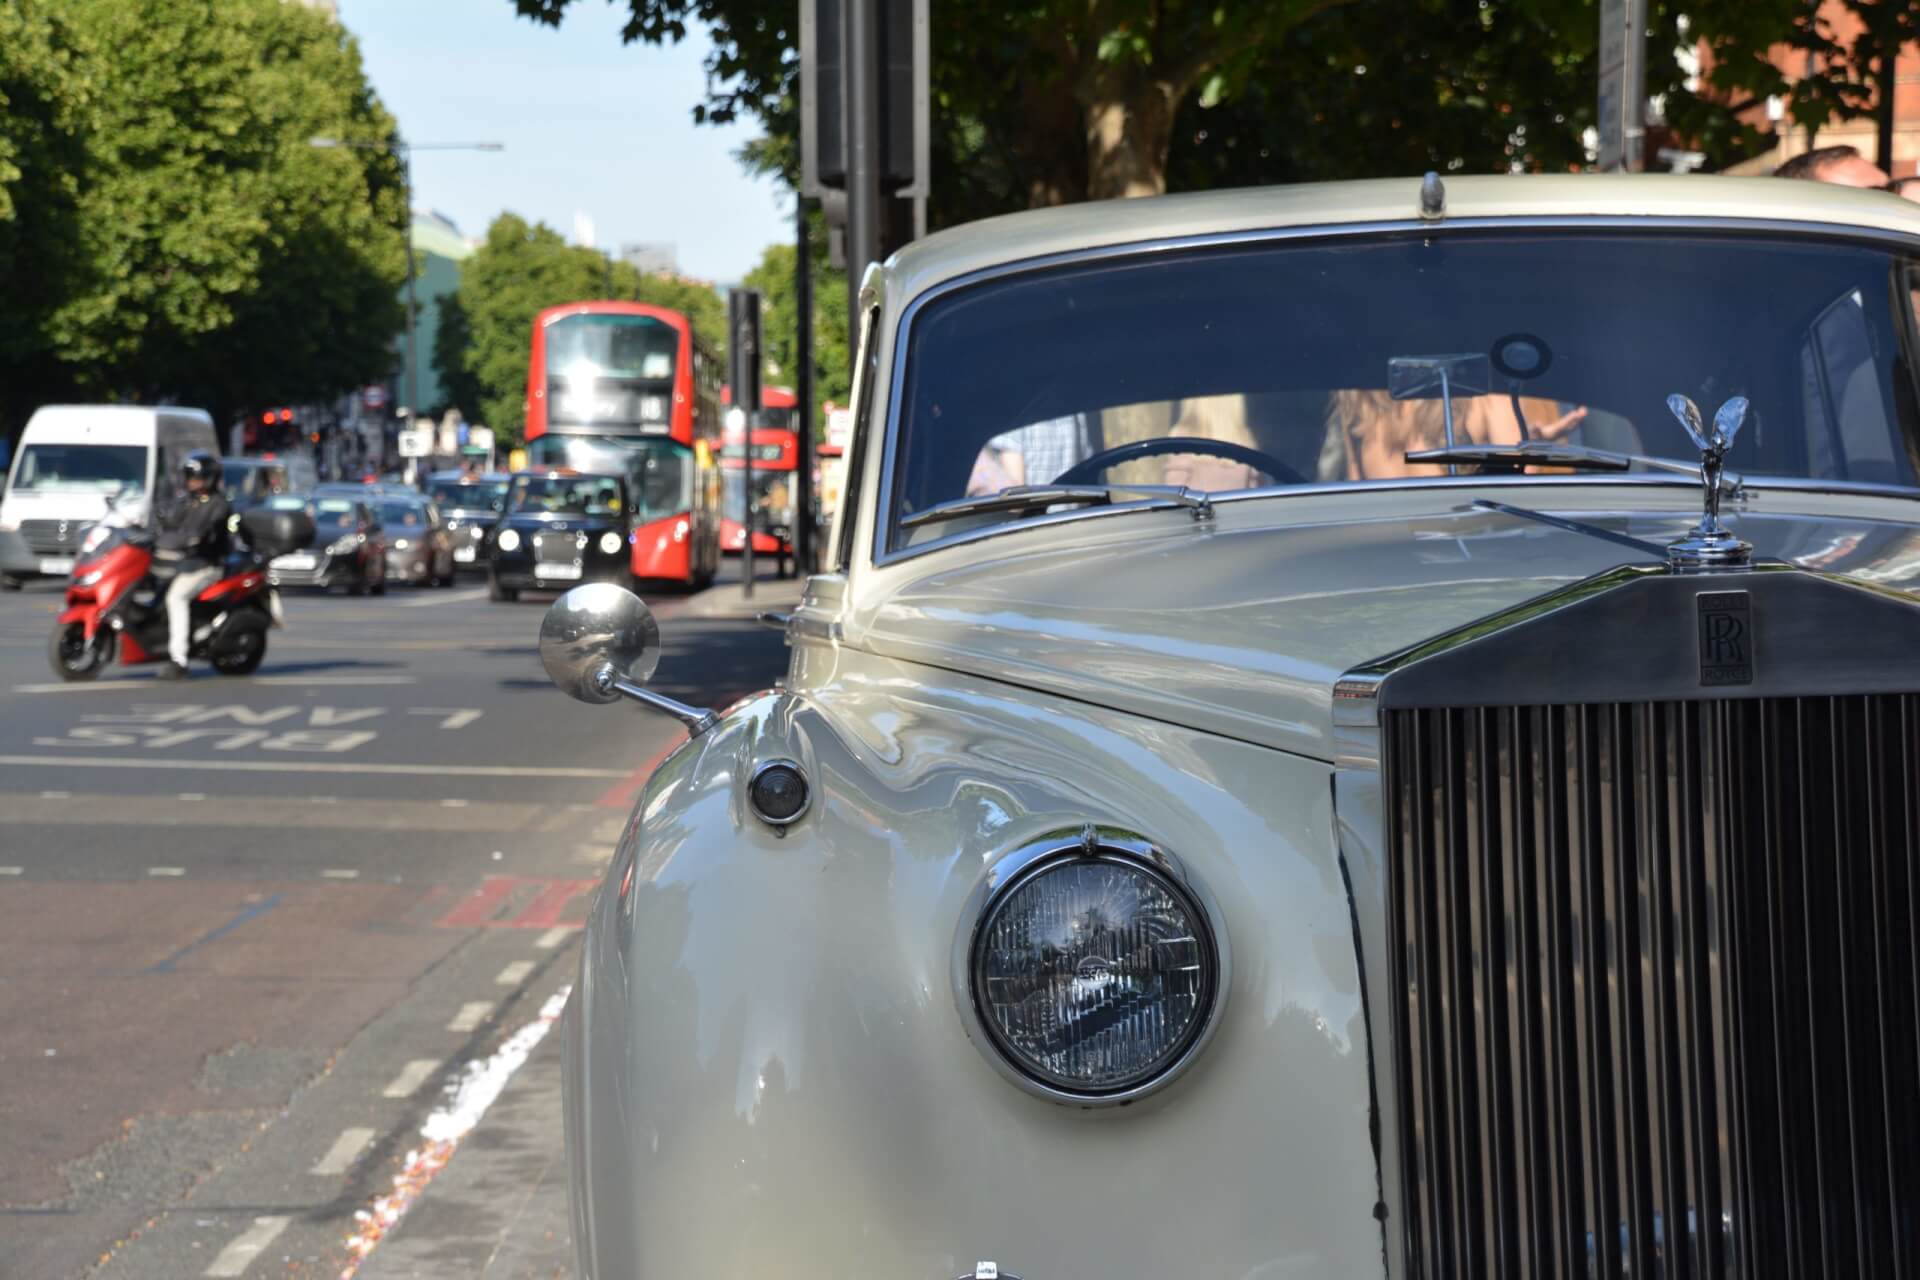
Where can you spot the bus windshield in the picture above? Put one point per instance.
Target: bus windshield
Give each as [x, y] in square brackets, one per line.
[614, 370]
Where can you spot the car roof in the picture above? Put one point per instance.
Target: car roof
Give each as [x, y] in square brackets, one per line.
[1040, 233]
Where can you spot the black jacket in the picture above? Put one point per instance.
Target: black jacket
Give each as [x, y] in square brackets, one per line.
[192, 531]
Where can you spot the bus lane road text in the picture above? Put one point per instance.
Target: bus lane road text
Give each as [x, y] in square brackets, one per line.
[332, 730]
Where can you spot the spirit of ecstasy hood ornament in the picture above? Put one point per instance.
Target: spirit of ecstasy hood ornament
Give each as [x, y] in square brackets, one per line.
[1710, 544]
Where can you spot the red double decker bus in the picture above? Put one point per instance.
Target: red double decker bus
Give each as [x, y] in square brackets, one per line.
[775, 440]
[631, 388]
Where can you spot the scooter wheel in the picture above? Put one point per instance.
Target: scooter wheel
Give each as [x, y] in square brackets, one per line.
[72, 658]
[240, 648]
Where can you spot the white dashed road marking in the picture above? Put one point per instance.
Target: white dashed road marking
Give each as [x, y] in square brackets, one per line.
[411, 1077]
[554, 937]
[245, 1247]
[11, 871]
[166, 871]
[471, 1015]
[340, 873]
[193, 795]
[56, 795]
[344, 1151]
[453, 804]
[514, 974]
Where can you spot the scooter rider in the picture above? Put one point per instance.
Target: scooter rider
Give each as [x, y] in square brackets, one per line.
[192, 534]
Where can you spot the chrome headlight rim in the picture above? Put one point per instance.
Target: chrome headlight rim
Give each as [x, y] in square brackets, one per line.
[1019, 867]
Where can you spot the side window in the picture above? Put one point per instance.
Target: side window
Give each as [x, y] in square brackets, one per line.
[1844, 398]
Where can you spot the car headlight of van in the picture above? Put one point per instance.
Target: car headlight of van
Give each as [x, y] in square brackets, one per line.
[509, 540]
[610, 543]
[1094, 969]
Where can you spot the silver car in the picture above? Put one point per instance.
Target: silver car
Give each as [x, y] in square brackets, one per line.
[1369, 730]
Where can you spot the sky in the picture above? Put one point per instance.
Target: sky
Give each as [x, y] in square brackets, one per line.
[596, 132]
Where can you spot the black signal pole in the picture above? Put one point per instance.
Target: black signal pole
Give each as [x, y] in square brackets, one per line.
[803, 529]
[866, 210]
[743, 308]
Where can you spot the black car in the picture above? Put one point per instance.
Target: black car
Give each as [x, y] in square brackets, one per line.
[348, 549]
[470, 504]
[560, 528]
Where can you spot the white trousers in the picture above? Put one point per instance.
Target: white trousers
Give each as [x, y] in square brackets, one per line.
[180, 594]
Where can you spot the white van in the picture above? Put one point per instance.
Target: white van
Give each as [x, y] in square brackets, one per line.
[70, 460]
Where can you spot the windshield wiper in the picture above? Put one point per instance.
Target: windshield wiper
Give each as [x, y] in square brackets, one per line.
[1578, 457]
[1022, 498]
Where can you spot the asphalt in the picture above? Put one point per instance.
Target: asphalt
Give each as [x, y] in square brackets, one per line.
[254, 932]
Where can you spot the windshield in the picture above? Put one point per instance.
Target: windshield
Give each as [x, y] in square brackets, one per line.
[403, 515]
[610, 369]
[1323, 363]
[84, 468]
[471, 495]
[660, 473]
[567, 496]
[326, 512]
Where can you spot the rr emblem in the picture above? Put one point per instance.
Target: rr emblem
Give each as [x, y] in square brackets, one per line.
[1726, 638]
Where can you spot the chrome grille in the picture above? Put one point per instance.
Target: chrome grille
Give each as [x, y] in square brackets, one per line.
[1657, 992]
[52, 537]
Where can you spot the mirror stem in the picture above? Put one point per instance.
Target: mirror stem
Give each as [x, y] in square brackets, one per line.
[697, 719]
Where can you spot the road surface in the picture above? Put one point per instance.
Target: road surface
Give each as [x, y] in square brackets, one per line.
[251, 930]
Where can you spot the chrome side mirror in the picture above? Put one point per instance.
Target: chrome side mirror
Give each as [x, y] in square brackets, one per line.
[600, 643]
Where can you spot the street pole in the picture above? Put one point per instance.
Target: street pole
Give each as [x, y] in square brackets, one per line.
[864, 64]
[803, 389]
[413, 350]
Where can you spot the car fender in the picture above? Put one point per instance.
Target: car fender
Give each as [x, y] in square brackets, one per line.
[768, 1069]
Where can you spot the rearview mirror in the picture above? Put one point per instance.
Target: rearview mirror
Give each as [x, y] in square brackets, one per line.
[597, 636]
[600, 643]
[1438, 377]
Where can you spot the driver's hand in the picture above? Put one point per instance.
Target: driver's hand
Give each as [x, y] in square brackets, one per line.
[1559, 426]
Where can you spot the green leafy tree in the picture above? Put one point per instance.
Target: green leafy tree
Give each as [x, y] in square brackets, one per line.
[519, 270]
[47, 113]
[1064, 99]
[202, 250]
[452, 340]
[777, 280]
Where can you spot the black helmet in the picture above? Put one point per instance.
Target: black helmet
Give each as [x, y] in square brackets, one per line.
[199, 465]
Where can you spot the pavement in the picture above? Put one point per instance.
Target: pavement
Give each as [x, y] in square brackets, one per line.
[255, 932]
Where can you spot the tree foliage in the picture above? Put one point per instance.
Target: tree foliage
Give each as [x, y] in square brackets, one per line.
[166, 228]
[1042, 101]
[518, 271]
[777, 280]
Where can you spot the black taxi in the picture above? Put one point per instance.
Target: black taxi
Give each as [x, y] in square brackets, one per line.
[560, 527]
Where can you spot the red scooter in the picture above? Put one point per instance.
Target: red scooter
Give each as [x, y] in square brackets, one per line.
[114, 605]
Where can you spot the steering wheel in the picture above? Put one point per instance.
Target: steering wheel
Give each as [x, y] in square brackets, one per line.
[1087, 468]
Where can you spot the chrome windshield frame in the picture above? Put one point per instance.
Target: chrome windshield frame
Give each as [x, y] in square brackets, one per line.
[885, 497]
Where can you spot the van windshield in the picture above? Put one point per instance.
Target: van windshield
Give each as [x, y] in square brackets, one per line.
[84, 468]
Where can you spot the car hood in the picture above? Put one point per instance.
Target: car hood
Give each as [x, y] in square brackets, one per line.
[1243, 628]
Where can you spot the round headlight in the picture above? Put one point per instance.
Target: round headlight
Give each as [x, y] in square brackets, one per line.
[610, 543]
[1094, 971]
[509, 540]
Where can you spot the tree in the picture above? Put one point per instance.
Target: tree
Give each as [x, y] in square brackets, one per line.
[1068, 99]
[47, 112]
[204, 251]
[774, 276]
[452, 339]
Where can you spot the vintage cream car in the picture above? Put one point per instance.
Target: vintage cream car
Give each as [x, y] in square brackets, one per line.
[1313, 759]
